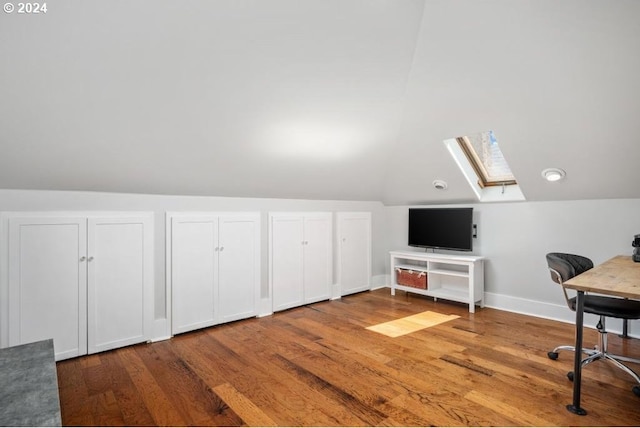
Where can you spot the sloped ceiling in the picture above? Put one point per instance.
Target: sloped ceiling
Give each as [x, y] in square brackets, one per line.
[319, 99]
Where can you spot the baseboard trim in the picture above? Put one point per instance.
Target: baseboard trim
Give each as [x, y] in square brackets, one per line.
[380, 281]
[529, 307]
[502, 302]
[266, 307]
[161, 330]
[554, 312]
[551, 311]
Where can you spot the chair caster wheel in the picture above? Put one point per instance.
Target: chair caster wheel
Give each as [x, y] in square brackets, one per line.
[570, 376]
[552, 355]
[636, 390]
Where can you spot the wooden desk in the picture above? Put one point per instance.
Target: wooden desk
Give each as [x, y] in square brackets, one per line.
[620, 277]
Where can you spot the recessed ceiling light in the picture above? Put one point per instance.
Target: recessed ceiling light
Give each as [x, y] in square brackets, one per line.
[440, 184]
[553, 174]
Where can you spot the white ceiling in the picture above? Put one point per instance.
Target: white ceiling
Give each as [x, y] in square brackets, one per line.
[319, 99]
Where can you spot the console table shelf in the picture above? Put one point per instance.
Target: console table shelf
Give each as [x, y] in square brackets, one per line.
[450, 277]
[412, 267]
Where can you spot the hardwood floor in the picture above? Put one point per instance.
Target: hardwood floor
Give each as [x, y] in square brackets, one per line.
[318, 366]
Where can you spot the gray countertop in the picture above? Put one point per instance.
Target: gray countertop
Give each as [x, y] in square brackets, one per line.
[29, 386]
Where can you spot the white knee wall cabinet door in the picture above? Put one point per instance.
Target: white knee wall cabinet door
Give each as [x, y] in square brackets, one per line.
[85, 281]
[119, 282]
[300, 258]
[354, 251]
[213, 265]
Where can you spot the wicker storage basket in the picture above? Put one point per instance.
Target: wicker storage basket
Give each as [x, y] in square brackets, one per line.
[410, 278]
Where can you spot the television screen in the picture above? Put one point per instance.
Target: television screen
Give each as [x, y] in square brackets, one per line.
[444, 228]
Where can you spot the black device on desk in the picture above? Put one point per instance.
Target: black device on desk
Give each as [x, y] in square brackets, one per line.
[636, 248]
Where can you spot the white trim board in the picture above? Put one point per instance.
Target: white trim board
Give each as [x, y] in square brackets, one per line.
[554, 312]
[550, 311]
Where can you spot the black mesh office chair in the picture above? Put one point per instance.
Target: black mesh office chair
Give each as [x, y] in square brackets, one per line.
[564, 267]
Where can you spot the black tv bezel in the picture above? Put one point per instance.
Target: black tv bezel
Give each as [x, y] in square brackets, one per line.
[436, 247]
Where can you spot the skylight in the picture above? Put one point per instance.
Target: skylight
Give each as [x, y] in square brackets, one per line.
[486, 158]
[484, 167]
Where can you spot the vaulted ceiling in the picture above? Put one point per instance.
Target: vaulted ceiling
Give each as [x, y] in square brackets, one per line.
[319, 99]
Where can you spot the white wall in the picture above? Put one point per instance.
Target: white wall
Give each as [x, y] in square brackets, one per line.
[515, 237]
[32, 200]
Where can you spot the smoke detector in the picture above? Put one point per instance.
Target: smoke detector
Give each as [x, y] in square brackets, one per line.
[440, 184]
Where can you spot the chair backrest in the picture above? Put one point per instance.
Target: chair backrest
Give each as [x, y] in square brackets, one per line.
[564, 266]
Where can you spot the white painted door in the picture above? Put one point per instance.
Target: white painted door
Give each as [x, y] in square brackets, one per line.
[47, 283]
[354, 252]
[317, 257]
[120, 287]
[286, 261]
[238, 266]
[193, 269]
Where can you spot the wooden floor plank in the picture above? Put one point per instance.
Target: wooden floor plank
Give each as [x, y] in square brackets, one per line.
[317, 365]
[280, 400]
[266, 358]
[105, 410]
[524, 416]
[73, 393]
[154, 398]
[195, 400]
[249, 412]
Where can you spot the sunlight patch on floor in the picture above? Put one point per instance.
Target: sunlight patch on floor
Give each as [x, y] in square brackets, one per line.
[411, 324]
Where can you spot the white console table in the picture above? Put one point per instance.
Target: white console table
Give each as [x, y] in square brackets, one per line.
[450, 277]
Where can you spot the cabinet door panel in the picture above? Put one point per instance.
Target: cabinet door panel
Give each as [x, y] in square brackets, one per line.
[118, 284]
[354, 260]
[238, 267]
[193, 269]
[47, 283]
[286, 262]
[317, 259]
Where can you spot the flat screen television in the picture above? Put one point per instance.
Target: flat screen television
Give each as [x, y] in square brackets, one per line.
[442, 228]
